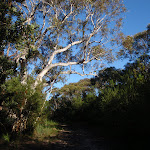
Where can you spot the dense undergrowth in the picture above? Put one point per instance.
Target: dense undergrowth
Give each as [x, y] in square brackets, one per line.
[45, 130]
[117, 101]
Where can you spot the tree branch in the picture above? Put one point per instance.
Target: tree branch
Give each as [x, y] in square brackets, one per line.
[63, 50]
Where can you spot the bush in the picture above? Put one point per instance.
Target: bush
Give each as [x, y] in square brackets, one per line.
[21, 104]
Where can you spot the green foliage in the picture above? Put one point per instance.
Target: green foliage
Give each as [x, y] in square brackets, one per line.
[135, 46]
[19, 92]
[6, 137]
[121, 103]
[46, 130]
[10, 29]
[7, 68]
[77, 103]
[21, 102]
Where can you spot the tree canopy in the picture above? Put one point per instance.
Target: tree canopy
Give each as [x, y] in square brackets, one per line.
[55, 35]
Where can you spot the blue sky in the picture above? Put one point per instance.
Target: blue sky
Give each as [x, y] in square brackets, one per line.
[136, 19]
[137, 16]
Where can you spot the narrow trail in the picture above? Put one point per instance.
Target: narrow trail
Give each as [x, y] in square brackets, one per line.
[78, 136]
[81, 136]
[71, 137]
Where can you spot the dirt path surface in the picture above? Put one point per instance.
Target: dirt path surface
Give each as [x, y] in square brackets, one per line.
[72, 137]
[78, 138]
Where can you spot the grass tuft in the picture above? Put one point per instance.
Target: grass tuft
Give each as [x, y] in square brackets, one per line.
[46, 130]
[6, 137]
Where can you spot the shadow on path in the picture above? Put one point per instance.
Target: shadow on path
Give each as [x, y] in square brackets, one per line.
[78, 136]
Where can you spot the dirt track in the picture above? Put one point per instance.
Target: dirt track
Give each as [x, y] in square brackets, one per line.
[74, 137]
[77, 138]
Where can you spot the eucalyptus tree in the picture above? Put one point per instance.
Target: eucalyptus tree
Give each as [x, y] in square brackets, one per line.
[56, 37]
[60, 34]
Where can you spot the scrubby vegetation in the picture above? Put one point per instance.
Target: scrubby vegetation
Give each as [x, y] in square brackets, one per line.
[117, 100]
[41, 41]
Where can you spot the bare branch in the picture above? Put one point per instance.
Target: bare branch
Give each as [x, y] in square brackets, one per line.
[67, 16]
[92, 20]
[63, 50]
[32, 13]
[41, 36]
[8, 49]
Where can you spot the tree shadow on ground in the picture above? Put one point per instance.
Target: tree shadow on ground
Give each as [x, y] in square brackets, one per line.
[76, 137]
